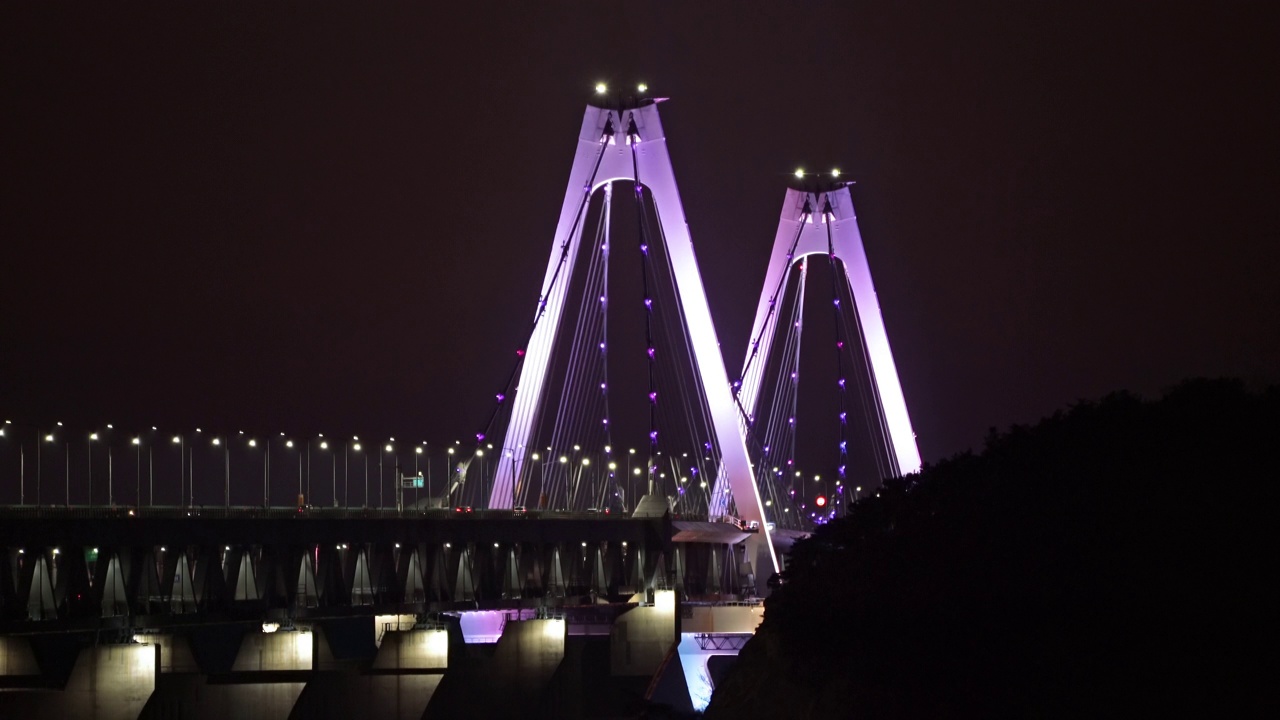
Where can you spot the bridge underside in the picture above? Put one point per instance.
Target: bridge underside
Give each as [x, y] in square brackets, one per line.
[279, 613]
[59, 571]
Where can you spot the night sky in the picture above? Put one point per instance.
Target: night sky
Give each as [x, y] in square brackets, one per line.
[336, 220]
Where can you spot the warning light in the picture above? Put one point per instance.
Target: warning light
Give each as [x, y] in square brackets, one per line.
[820, 501]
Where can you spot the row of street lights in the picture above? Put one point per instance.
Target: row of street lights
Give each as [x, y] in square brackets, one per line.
[186, 444]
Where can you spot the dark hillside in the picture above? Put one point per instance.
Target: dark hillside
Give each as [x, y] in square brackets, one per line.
[1110, 558]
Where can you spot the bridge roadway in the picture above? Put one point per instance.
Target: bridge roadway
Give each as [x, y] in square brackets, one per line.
[77, 567]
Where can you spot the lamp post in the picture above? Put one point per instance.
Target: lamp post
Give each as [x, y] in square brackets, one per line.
[182, 463]
[66, 466]
[22, 464]
[382, 483]
[253, 442]
[448, 472]
[191, 475]
[356, 447]
[137, 446]
[92, 437]
[266, 476]
[542, 470]
[151, 469]
[21, 459]
[307, 497]
[346, 472]
[480, 454]
[333, 497]
[110, 477]
[226, 472]
[416, 452]
[289, 444]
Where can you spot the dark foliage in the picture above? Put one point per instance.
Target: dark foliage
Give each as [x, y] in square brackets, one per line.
[1110, 558]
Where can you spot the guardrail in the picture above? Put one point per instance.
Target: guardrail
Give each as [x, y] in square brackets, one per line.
[74, 512]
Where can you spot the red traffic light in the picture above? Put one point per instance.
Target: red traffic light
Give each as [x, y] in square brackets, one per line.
[820, 501]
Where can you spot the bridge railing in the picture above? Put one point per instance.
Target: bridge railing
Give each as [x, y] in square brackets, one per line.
[85, 512]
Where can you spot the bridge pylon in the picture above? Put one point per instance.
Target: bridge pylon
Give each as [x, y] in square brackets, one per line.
[819, 219]
[625, 143]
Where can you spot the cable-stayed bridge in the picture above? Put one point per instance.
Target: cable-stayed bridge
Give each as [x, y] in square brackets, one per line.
[547, 508]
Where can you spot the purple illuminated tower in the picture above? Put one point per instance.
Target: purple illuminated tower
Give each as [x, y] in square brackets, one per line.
[821, 222]
[604, 155]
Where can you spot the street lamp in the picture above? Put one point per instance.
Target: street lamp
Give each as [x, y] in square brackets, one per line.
[416, 452]
[137, 446]
[324, 445]
[253, 443]
[151, 469]
[226, 472]
[191, 476]
[301, 498]
[382, 483]
[449, 470]
[66, 466]
[356, 447]
[182, 462]
[92, 437]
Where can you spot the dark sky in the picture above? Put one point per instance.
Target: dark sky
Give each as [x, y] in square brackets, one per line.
[335, 220]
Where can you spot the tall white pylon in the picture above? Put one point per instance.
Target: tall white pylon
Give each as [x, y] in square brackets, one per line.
[604, 154]
[806, 215]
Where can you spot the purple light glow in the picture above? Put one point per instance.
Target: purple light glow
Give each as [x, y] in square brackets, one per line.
[650, 353]
[479, 437]
[653, 397]
[648, 303]
[501, 397]
[653, 435]
[644, 248]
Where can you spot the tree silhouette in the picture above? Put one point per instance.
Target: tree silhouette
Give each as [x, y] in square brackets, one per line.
[1110, 558]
